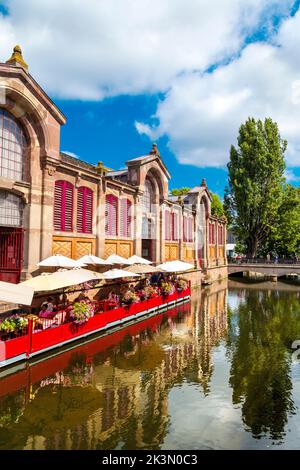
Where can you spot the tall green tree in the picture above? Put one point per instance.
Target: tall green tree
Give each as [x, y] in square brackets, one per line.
[255, 183]
[284, 238]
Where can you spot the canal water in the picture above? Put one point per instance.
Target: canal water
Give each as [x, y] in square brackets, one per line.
[217, 373]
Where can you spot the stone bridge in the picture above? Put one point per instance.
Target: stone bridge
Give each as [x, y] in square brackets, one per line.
[270, 269]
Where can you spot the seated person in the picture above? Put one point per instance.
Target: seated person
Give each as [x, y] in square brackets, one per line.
[113, 297]
[45, 313]
[49, 304]
[81, 297]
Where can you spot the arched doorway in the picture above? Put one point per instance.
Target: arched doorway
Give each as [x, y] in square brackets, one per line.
[11, 236]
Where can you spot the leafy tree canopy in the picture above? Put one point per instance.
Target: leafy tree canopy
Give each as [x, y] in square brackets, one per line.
[217, 208]
[256, 183]
[180, 191]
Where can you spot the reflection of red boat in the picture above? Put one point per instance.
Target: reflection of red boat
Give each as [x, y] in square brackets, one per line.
[36, 342]
[35, 373]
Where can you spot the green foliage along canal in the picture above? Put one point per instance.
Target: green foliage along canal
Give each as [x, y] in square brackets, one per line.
[219, 373]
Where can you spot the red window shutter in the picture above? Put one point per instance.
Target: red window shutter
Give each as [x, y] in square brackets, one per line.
[88, 210]
[184, 228]
[68, 219]
[111, 215]
[125, 218]
[84, 210]
[190, 229]
[174, 227]
[63, 206]
[167, 225]
[80, 209]
[58, 195]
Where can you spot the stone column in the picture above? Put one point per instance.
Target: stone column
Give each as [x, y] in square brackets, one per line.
[100, 219]
[47, 202]
[137, 224]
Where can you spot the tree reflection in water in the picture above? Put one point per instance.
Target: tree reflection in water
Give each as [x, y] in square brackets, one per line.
[261, 361]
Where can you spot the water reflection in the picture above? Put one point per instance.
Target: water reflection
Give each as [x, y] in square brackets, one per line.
[268, 321]
[213, 373]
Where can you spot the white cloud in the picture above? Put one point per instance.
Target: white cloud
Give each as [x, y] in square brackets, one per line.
[98, 48]
[71, 154]
[201, 113]
[291, 177]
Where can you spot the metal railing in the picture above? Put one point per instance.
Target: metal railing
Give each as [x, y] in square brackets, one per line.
[273, 261]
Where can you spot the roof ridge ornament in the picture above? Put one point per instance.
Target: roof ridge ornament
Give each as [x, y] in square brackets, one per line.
[203, 183]
[154, 150]
[17, 58]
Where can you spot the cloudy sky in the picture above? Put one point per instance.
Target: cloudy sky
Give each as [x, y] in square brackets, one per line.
[183, 73]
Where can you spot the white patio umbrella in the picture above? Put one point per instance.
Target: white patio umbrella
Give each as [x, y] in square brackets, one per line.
[60, 261]
[116, 259]
[61, 279]
[15, 293]
[91, 259]
[175, 266]
[138, 260]
[142, 269]
[117, 274]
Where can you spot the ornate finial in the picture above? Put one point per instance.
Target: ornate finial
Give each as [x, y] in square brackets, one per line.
[101, 169]
[154, 150]
[17, 58]
[203, 183]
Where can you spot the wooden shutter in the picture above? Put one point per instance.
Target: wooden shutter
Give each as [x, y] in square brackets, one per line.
[125, 218]
[167, 225]
[174, 226]
[190, 229]
[184, 228]
[58, 195]
[63, 206]
[84, 210]
[111, 215]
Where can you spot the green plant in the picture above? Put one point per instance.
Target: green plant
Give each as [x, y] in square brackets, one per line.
[13, 324]
[130, 297]
[166, 288]
[81, 312]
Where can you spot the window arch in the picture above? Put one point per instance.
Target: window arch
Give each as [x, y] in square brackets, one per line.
[84, 210]
[175, 236]
[167, 225]
[111, 215]
[11, 209]
[147, 198]
[13, 148]
[63, 206]
[125, 218]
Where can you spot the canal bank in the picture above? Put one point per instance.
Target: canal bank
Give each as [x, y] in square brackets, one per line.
[213, 374]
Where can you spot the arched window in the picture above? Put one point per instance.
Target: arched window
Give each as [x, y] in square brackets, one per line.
[63, 206]
[220, 234]
[125, 225]
[190, 229]
[84, 210]
[174, 226]
[147, 197]
[111, 215]
[211, 235]
[167, 225]
[11, 209]
[13, 148]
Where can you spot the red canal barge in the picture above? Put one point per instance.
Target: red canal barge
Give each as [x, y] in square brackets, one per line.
[34, 341]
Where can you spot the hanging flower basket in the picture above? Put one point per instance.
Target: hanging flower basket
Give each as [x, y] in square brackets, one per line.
[130, 298]
[81, 312]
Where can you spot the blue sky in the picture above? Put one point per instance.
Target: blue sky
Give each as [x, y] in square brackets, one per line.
[105, 131]
[185, 75]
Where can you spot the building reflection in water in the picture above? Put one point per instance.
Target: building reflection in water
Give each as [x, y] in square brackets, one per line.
[116, 397]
